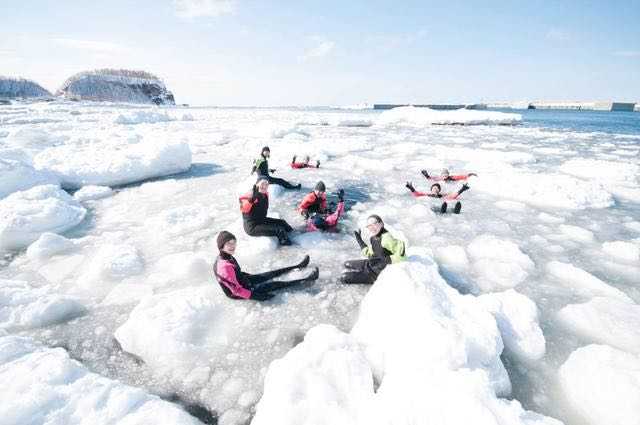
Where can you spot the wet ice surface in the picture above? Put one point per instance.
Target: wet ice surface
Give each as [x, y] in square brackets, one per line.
[553, 214]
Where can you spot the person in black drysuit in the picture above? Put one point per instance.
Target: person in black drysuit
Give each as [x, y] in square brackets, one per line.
[254, 207]
[237, 284]
[384, 250]
[261, 165]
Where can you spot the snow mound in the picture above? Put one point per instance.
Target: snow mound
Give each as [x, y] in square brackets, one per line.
[90, 193]
[181, 267]
[544, 190]
[577, 233]
[112, 262]
[517, 318]
[17, 175]
[47, 245]
[611, 172]
[109, 164]
[605, 321]
[177, 331]
[602, 384]
[180, 220]
[112, 85]
[323, 380]
[25, 215]
[411, 321]
[43, 385]
[23, 306]
[497, 264]
[143, 117]
[621, 250]
[21, 88]
[418, 117]
[583, 283]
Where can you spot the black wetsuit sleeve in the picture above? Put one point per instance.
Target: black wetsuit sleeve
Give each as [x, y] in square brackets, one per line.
[359, 239]
[463, 188]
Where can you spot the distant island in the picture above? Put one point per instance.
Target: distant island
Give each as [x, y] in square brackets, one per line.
[116, 85]
[21, 88]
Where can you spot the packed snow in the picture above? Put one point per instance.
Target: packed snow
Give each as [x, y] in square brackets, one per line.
[108, 220]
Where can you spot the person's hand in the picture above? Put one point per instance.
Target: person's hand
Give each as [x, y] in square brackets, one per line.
[294, 159]
[261, 296]
[425, 173]
[410, 186]
[341, 195]
[273, 170]
[473, 174]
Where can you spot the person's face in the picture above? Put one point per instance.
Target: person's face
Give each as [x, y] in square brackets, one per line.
[230, 247]
[373, 226]
[435, 190]
[318, 192]
[445, 174]
[263, 186]
[266, 154]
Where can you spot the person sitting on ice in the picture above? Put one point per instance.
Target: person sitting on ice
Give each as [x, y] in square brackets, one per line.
[261, 165]
[240, 285]
[305, 163]
[384, 250]
[446, 177]
[436, 192]
[314, 209]
[254, 207]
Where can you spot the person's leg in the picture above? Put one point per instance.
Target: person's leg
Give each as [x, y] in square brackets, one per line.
[263, 277]
[283, 183]
[357, 265]
[277, 222]
[276, 285]
[358, 277]
[262, 229]
[457, 208]
[443, 208]
[332, 219]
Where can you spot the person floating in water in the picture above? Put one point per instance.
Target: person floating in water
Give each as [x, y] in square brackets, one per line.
[254, 207]
[446, 177]
[314, 209]
[384, 250]
[436, 192]
[304, 164]
[261, 166]
[240, 285]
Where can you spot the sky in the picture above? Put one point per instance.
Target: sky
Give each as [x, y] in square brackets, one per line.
[262, 52]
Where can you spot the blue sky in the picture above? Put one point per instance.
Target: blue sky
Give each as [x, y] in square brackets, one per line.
[258, 52]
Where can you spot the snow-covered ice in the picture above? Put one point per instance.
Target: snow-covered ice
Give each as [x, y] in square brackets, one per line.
[17, 175]
[91, 192]
[25, 215]
[602, 385]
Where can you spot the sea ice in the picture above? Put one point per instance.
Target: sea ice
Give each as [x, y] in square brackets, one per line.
[25, 215]
[605, 321]
[417, 117]
[18, 175]
[621, 250]
[583, 283]
[48, 244]
[90, 193]
[602, 385]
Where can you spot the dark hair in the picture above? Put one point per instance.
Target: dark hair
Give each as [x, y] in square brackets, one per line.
[376, 217]
[436, 185]
[223, 238]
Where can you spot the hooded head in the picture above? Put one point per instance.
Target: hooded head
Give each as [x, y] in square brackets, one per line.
[320, 187]
[265, 151]
[444, 173]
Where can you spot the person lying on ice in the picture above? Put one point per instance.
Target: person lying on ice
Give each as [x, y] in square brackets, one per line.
[254, 207]
[240, 285]
[304, 164]
[261, 165]
[384, 250]
[446, 177]
[314, 209]
[436, 192]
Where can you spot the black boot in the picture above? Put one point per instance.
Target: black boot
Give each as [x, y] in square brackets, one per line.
[304, 263]
[457, 208]
[443, 208]
[283, 238]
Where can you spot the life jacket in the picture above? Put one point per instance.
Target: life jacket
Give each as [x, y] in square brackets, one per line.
[230, 278]
[247, 202]
[313, 203]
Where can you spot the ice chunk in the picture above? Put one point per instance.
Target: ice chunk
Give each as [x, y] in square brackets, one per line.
[419, 117]
[625, 251]
[25, 215]
[323, 380]
[110, 164]
[90, 193]
[605, 321]
[43, 385]
[602, 384]
[583, 283]
[517, 318]
[48, 244]
[576, 233]
[498, 264]
[23, 306]
[612, 172]
[175, 332]
[180, 220]
[142, 117]
[112, 262]
[411, 319]
[18, 175]
[182, 267]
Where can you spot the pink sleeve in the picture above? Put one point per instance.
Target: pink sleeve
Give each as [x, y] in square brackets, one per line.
[451, 196]
[459, 177]
[417, 194]
[228, 274]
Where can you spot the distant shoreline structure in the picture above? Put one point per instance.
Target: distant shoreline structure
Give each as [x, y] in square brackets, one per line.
[570, 105]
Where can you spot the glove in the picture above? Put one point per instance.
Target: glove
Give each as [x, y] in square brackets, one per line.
[273, 170]
[463, 188]
[261, 296]
[425, 174]
[410, 187]
[358, 236]
[473, 174]
[341, 195]
[293, 160]
[318, 164]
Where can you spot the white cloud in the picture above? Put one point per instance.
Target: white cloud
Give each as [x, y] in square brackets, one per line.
[93, 46]
[628, 53]
[321, 49]
[556, 34]
[196, 8]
